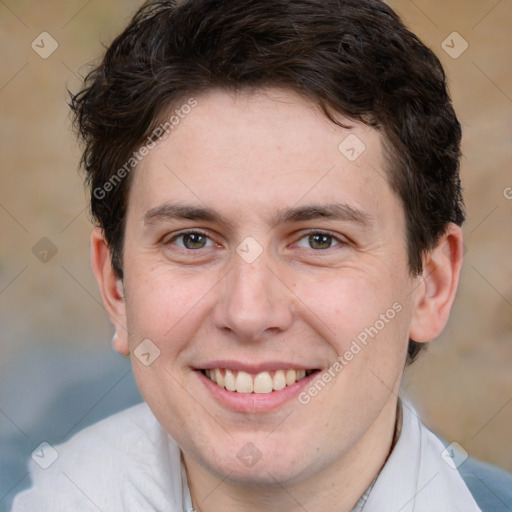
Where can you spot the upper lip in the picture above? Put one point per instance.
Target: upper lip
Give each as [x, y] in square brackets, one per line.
[255, 368]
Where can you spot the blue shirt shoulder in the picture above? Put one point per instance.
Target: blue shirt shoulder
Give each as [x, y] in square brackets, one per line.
[490, 486]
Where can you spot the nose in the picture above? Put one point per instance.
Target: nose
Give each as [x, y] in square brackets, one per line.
[254, 301]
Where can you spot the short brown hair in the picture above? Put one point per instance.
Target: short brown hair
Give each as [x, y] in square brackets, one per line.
[353, 57]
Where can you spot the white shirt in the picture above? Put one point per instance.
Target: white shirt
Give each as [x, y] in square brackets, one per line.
[128, 463]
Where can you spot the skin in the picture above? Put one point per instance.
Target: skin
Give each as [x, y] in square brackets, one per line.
[247, 156]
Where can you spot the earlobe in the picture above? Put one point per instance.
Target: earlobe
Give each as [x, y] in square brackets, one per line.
[435, 294]
[111, 289]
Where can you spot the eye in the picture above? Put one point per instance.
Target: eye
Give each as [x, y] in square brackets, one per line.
[319, 240]
[190, 240]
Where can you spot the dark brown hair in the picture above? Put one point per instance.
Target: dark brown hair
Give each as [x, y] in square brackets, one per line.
[353, 57]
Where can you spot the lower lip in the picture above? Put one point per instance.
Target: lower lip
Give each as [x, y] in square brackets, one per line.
[255, 402]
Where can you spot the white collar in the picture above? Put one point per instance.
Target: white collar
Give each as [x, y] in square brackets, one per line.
[416, 478]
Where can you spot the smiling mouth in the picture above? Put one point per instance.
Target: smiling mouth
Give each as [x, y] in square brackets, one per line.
[262, 382]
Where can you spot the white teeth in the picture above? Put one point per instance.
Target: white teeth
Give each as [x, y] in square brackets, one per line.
[291, 377]
[229, 381]
[279, 381]
[243, 383]
[219, 379]
[263, 382]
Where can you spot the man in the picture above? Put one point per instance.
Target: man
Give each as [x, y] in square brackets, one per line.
[278, 203]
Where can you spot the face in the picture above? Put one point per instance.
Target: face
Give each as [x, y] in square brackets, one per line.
[261, 257]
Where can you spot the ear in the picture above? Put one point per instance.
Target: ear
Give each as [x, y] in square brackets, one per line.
[437, 286]
[111, 288]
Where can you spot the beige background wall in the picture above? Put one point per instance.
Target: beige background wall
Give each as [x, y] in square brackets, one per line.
[463, 385]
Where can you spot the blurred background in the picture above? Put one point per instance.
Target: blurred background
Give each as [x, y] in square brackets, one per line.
[58, 372]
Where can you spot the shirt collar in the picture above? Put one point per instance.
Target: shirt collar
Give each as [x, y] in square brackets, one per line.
[415, 477]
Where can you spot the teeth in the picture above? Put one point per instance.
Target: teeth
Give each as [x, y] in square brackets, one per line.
[219, 379]
[291, 377]
[263, 382]
[279, 381]
[229, 381]
[243, 383]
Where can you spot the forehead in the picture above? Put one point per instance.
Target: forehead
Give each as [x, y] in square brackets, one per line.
[262, 151]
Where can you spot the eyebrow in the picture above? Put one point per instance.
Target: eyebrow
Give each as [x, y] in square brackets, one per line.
[333, 211]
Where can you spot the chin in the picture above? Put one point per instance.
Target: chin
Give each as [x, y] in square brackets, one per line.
[258, 464]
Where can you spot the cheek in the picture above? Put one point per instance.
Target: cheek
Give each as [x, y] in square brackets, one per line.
[365, 320]
[161, 303]
[348, 302]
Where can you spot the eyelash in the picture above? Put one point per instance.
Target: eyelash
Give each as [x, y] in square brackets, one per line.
[181, 234]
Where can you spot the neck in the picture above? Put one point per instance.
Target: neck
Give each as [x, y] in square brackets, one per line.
[355, 471]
